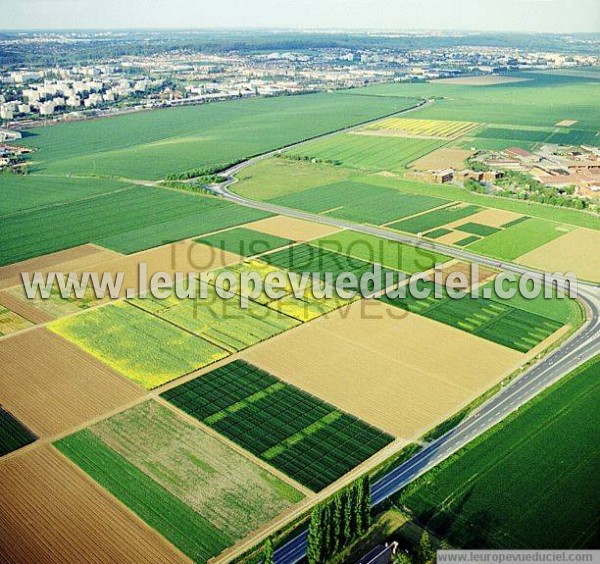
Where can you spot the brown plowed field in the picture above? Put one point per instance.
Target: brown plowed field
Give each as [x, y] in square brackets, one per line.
[52, 386]
[51, 512]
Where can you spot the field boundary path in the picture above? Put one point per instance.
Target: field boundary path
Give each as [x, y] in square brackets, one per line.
[580, 347]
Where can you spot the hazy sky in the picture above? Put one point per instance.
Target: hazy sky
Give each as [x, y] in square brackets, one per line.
[484, 15]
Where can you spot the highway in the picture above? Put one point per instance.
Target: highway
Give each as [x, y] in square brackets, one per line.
[581, 346]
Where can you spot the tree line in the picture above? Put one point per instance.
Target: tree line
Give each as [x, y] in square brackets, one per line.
[336, 522]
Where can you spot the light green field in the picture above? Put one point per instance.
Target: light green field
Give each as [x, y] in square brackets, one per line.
[153, 144]
[519, 239]
[222, 322]
[197, 492]
[368, 152]
[147, 350]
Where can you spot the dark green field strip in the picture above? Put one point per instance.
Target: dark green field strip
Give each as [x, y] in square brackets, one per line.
[532, 482]
[437, 233]
[127, 221]
[497, 322]
[13, 434]
[308, 439]
[532, 135]
[477, 229]
[467, 241]
[244, 242]
[313, 259]
[172, 518]
[431, 220]
[574, 137]
[359, 202]
[516, 221]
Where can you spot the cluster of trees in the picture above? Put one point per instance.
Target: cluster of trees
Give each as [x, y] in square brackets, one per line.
[338, 521]
[424, 553]
[310, 159]
[520, 185]
[207, 172]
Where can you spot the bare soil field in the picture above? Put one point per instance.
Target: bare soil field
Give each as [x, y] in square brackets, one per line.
[576, 252]
[75, 259]
[52, 386]
[51, 512]
[292, 228]
[491, 217]
[378, 364]
[566, 123]
[23, 308]
[480, 80]
[485, 274]
[441, 159]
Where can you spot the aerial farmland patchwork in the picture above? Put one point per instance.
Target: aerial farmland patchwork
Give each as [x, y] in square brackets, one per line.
[176, 430]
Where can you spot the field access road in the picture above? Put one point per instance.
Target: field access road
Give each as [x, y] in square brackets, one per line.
[581, 346]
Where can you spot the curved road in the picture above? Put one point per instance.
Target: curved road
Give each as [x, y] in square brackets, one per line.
[581, 346]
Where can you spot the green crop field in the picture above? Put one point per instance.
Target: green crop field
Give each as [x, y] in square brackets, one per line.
[13, 434]
[436, 218]
[153, 144]
[297, 433]
[519, 239]
[541, 100]
[493, 320]
[477, 229]
[390, 254]
[313, 259]
[467, 241]
[127, 221]
[359, 202]
[197, 492]
[574, 137]
[515, 134]
[437, 233]
[532, 482]
[245, 242]
[368, 152]
[18, 193]
[148, 350]
[222, 322]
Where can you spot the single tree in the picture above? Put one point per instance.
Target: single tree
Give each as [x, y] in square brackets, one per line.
[268, 553]
[425, 553]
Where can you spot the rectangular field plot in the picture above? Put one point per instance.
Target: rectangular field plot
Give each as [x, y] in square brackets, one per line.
[51, 385]
[477, 229]
[10, 322]
[13, 434]
[192, 488]
[437, 218]
[118, 221]
[222, 322]
[423, 127]
[574, 137]
[297, 433]
[57, 514]
[491, 320]
[533, 135]
[313, 259]
[367, 152]
[302, 307]
[147, 350]
[520, 239]
[360, 202]
[552, 440]
[378, 364]
[244, 242]
[297, 229]
[390, 254]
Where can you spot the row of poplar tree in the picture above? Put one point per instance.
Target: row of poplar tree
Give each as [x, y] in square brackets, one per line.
[338, 521]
